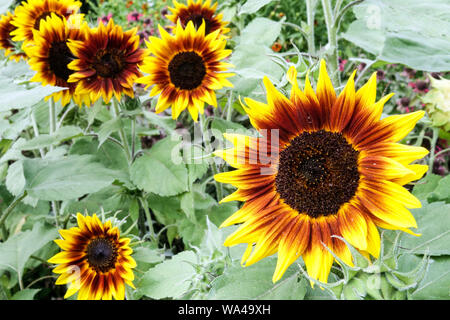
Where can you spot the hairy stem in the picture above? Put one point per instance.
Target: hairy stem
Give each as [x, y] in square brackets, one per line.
[123, 137]
[332, 42]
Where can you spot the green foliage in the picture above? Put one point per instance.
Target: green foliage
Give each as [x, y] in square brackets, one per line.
[383, 28]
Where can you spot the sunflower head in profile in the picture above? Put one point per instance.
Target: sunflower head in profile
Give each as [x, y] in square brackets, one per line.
[6, 42]
[29, 14]
[198, 12]
[49, 55]
[106, 63]
[185, 69]
[325, 169]
[95, 261]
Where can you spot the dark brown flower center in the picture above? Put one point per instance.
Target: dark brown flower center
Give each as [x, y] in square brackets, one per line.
[59, 57]
[101, 254]
[197, 20]
[187, 70]
[43, 16]
[108, 63]
[317, 173]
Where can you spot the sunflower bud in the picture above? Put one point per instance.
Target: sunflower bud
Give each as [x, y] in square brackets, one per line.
[437, 102]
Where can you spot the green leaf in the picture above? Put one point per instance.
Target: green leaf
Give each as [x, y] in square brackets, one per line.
[15, 180]
[22, 97]
[251, 6]
[424, 187]
[384, 28]
[26, 294]
[107, 129]
[148, 255]
[45, 140]
[64, 179]
[436, 284]
[260, 31]
[442, 191]
[161, 170]
[166, 123]
[18, 248]
[433, 222]
[255, 282]
[5, 5]
[170, 279]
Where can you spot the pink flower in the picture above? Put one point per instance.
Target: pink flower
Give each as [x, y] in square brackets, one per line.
[342, 63]
[134, 16]
[420, 86]
[105, 19]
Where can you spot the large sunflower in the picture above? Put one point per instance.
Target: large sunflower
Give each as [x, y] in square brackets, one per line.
[30, 13]
[106, 62]
[6, 42]
[325, 169]
[95, 261]
[49, 55]
[185, 69]
[197, 12]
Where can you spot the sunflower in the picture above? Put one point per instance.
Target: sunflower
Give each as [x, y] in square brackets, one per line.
[49, 56]
[325, 171]
[197, 12]
[95, 261]
[6, 42]
[106, 62]
[30, 13]
[186, 69]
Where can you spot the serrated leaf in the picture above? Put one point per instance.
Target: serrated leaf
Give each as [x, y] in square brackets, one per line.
[383, 28]
[251, 6]
[170, 279]
[255, 282]
[45, 140]
[15, 180]
[436, 284]
[161, 170]
[17, 249]
[107, 128]
[424, 187]
[25, 294]
[65, 179]
[147, 255]
[433, 222]
[166, 123]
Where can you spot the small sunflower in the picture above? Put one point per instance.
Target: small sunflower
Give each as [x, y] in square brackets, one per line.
[6, 42]
[106, 62]
[185, 69]
[325, 169]
[197, 12]
[49, 56]
[95, 261]
[30, 13]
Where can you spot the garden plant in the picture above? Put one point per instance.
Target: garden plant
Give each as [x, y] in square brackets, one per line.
[224, 150]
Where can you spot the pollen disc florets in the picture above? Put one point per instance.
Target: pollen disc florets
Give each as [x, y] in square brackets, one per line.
[317, 173]
[187, 70]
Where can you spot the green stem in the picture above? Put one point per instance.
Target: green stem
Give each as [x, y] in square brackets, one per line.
[340, 14]
[230, 106]
[441, 152]
[52, 118]
[332, 42]
[310, 8]
[433, 149]
[39, 279]
[8, 210]
[122, 134]
[208, 150]
[148, 217]
[36, 132]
